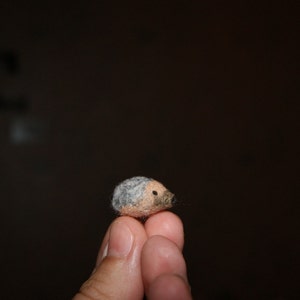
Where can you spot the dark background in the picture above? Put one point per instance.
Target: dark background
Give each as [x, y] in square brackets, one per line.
[200, 95]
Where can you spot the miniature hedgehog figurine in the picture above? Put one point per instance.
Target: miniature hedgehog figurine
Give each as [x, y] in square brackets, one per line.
[140, 197]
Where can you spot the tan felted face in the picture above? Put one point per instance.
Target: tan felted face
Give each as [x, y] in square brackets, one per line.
[155, 198]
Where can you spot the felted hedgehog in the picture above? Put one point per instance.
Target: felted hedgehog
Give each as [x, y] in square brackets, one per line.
[141, 196]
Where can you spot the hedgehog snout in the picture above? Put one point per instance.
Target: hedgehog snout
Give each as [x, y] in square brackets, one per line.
[167, 198]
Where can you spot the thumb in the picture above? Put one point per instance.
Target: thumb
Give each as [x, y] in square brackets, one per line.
[118, 270]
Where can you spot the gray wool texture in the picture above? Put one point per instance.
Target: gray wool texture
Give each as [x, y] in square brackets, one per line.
[129, 191]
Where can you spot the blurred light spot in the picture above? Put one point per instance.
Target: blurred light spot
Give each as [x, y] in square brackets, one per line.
[24, 130]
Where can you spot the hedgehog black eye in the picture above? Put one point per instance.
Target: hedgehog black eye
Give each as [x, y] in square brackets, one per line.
[154, 193]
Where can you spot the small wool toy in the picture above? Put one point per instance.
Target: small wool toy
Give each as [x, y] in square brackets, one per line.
[140, 197]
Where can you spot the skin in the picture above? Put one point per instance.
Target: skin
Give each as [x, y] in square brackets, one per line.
[136, 260]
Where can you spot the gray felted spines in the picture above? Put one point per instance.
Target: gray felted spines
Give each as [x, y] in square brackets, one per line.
[129, 192]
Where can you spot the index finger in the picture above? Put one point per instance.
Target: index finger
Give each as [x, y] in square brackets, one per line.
[168, 225]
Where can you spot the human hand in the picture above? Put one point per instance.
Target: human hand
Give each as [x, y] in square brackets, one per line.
[136, 260]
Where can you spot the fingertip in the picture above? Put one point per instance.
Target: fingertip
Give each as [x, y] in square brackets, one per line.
[166, 224]
[135, 227]
[118, 270]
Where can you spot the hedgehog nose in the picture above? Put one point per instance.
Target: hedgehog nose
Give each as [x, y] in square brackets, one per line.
[173, 200]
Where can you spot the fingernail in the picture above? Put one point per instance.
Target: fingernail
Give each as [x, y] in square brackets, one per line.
[105, 251]
[120, 240]
[100, 258]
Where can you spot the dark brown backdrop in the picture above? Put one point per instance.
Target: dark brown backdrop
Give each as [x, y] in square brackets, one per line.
[200, 95]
